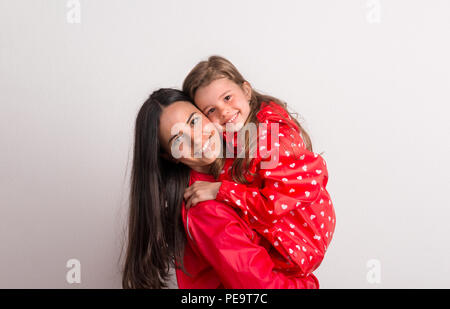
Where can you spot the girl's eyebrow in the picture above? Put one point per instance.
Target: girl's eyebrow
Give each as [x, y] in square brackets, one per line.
[173, 136]
[224, 93]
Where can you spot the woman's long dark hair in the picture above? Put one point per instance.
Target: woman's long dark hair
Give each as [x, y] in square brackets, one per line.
[156, 235]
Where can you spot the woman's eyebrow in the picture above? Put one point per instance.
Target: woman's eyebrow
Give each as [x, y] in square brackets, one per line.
[190, 117]
[173, 136]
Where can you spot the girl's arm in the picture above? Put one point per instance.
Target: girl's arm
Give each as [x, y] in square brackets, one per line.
[222, 238]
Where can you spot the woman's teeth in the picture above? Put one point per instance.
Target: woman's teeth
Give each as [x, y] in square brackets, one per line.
[205, 146]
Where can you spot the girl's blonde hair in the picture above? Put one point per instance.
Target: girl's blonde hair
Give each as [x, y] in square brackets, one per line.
[217, 67]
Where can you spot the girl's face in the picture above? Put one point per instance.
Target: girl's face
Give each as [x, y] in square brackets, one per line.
[225, 103]
[188, 136]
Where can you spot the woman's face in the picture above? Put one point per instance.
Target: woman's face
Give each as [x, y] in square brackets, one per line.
[187, 135]
[225, 103]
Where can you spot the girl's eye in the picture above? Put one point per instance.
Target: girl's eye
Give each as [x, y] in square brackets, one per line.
[211, 111]
[228, 98]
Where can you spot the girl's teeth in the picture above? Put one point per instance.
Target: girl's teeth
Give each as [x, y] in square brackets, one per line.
[232, 119]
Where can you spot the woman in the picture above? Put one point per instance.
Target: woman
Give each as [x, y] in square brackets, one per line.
[221, 251]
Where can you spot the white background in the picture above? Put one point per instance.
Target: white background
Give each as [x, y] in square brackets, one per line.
[374, 96]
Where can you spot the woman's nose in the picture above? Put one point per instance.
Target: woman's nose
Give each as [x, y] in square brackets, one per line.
[197, 136]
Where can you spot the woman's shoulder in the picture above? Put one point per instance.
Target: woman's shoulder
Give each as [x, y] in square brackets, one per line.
[212, 210]
[212, 217]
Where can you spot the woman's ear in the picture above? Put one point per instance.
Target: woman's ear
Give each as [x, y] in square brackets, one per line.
[247, 90]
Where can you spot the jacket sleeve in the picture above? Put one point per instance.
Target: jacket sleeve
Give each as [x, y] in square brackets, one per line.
[222, 238]
[294, 182]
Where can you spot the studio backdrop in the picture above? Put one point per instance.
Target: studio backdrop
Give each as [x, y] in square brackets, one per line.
[369, 79]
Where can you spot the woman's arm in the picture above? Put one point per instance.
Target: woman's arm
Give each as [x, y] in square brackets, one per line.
[222, 238]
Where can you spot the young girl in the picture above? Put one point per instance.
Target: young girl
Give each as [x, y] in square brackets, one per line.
[288, 204]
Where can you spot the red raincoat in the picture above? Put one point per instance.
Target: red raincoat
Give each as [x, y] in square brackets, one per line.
[287, 204]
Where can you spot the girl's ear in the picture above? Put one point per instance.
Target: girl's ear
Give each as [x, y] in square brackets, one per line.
[247, 90]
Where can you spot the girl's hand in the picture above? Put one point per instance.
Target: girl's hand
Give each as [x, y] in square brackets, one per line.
[201, 191]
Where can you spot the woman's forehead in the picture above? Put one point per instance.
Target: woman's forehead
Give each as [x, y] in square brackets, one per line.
[177, 112]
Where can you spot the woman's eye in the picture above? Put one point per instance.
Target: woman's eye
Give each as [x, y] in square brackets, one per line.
[177, 140]
[211, 111]
[194, 120]
[228, 98]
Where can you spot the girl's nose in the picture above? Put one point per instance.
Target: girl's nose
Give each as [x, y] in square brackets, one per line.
[225, 113]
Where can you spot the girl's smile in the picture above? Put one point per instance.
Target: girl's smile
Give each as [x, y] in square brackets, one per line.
[232, 119]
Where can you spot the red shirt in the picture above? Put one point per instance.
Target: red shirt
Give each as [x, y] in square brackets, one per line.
[222, 251]
[287, 203]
